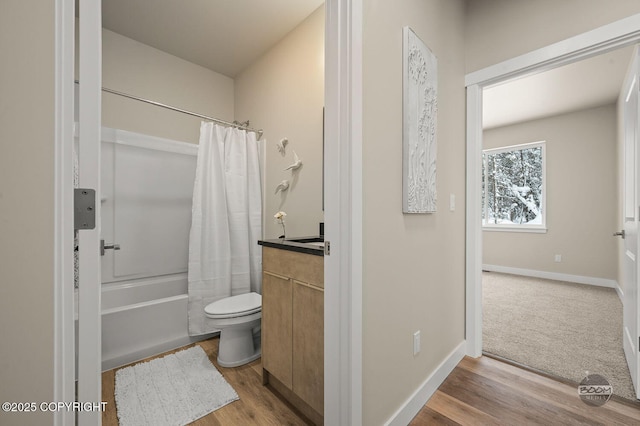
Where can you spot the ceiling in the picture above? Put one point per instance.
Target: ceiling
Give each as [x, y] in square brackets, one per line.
[588, 83]
[226, 36]
[223, 35]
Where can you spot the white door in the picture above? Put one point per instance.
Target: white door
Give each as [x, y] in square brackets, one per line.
[631, 202]
[89, 324]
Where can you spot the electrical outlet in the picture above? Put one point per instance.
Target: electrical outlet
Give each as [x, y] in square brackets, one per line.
[416, 343]
[558, 258]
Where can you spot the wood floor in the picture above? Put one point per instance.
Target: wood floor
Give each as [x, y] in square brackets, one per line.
[257, 405]
[486, 391]
[481, 391]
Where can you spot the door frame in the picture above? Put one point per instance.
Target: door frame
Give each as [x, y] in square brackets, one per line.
[343, 197]
[89, 344]
[600, 40]
[343, 213]
[64, 327]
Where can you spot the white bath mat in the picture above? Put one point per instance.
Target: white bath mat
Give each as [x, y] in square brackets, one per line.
[173, 390]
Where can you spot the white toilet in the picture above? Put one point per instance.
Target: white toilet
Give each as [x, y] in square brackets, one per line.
[236, 317]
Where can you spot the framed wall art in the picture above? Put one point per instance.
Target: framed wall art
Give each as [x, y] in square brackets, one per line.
[419, 114]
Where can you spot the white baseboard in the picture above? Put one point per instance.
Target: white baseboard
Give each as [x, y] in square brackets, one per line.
[578, 279]
[414, 404]
[600, 282]
[620, 292]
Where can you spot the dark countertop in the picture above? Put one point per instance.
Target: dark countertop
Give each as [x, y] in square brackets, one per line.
[288, 244]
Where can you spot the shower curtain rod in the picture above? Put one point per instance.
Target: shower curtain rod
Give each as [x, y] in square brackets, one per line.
[184, 111]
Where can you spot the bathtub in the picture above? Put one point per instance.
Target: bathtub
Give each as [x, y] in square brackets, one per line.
[144, 317]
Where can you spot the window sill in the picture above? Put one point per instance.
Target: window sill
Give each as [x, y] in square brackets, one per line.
[514, 229]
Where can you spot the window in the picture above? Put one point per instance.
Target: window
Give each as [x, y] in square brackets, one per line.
[513, 188]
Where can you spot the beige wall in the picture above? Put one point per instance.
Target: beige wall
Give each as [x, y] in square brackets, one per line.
[582, 196]
[26, 206]
[283, 93]
[497, 30]
[413, 277]
[140, 70]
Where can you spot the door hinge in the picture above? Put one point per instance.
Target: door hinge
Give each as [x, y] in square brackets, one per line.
[327, 248]
[84, 202]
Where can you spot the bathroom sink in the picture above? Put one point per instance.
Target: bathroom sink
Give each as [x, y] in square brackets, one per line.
[316, 243]
[311, 244]
[313, 240]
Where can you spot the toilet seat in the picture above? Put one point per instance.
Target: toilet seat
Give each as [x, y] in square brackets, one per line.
[235, 306]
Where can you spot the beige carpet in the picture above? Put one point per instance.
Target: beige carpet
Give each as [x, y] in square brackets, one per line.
[561, 328]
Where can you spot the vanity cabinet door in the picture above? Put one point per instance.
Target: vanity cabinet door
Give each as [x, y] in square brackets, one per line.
[308, 344]
[277, 340]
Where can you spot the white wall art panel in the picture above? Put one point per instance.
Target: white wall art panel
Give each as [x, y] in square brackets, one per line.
[420, 107]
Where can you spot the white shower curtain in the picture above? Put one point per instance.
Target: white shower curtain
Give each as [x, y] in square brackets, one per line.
[226, 223]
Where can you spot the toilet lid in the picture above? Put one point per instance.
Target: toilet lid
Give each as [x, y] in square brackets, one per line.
[235, 306]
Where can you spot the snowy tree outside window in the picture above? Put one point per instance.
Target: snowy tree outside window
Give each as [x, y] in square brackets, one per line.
[513, 187]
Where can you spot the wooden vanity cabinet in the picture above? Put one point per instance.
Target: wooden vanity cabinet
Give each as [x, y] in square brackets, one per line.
[293, 328]
[308, 344]
[277, 327]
